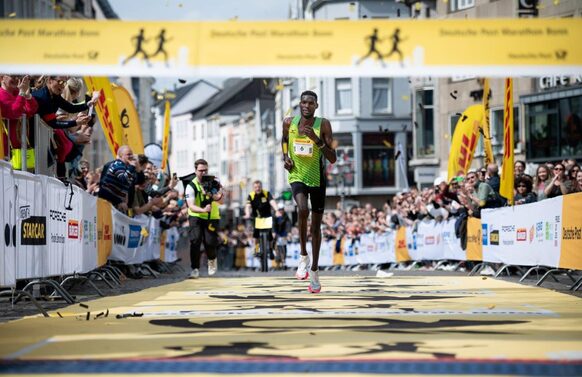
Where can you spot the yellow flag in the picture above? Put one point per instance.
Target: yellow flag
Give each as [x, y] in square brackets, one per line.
[107, 111]
[506, 188]
[464, 140]
[166, 139]
[129, 119]
[489, 158]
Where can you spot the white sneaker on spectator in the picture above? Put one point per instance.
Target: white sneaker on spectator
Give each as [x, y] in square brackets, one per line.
[302, 272]
[314, 285]
[195, 274]
[212, 267]
[487, 271]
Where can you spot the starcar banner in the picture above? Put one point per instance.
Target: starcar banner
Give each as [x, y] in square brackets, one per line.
[524, 235]
[31, 232]
[377, 47]
[129, 119]
[8, 223]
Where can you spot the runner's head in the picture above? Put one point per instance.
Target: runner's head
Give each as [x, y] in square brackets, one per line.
[257, 186]
[308, 104]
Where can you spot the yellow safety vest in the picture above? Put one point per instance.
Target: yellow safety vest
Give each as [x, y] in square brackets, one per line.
[198, 199]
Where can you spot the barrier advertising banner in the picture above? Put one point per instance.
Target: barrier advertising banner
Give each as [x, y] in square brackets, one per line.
[403, 234]
[104, 231]
[8, 226]
[524, 235]
[571, 252]
[87, 230]
[129, 235]
[31, 232]
[452, 249]
[474, 237]
[170, 244]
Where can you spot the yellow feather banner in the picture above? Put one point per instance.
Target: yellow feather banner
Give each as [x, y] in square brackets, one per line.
[166, 139]
[464, 140]
[129, 119]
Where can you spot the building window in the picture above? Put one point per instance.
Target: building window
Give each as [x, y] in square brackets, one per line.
[378, 159]
[343, 96]
[424, 123]
[554, 129]
[381, 96]
[496, 127]
[456, 5]
[342, 173]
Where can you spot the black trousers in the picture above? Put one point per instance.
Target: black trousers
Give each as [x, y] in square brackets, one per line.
[202, 232]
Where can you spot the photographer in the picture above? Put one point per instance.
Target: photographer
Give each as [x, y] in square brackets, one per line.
[203, 195]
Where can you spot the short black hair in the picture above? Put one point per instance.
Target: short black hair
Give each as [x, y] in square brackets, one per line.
[309, 93]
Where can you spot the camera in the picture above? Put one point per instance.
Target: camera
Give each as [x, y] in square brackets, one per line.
[210, 184]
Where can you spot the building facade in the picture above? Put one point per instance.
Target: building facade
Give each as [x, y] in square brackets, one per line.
[547, 110]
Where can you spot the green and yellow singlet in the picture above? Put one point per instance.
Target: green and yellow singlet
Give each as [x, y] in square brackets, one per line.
[306, 156]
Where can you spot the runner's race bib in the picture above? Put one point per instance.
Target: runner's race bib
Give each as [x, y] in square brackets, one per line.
[303, 147]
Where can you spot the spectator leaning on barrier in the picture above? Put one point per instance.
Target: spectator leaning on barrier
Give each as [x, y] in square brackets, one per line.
[15, 100]
[523, 188]
[49, 102]
[117, 178]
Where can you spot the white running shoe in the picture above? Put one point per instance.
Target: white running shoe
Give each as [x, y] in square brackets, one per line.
[487, 271]
[302, 272]
[212, 267]
[314, 285]
[195, 274]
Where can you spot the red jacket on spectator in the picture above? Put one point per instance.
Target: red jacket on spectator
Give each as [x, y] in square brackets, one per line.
[13, 106]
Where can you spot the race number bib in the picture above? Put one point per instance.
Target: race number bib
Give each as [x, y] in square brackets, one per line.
[303, 147]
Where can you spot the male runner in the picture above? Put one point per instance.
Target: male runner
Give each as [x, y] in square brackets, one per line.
[306, 141]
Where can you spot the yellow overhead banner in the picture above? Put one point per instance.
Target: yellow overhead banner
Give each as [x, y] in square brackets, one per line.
[107, 111]
[129, 119]
[355, 47]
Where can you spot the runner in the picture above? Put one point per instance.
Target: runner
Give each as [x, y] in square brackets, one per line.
[306, 141]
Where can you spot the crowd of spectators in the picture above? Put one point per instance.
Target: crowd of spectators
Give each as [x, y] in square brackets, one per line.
[135, 186]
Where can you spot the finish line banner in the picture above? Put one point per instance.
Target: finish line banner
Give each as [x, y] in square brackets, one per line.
[515, 47]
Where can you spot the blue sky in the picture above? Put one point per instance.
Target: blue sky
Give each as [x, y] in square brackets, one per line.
[211, 10]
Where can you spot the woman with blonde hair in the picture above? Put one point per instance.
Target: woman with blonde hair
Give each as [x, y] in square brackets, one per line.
[541, 181]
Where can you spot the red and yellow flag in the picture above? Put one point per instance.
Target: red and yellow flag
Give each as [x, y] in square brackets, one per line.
[166, 139]
[464, 140]
[489, 158]
[106, 108]
[506, 188]
[129, 119]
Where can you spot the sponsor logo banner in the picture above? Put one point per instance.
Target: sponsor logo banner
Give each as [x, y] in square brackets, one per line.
[73, 229]
[571, 254]
[33, 231]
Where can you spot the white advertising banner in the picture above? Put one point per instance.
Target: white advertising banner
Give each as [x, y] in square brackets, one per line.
[31, 226]
[292, 257]
[429, 244]
[451, 244]
[326, 253]
[385, 248]
[525, 235]
[171, 245]
[87, 229]
[8, 223]
[63, 214]
[351, 249]
[128, 239]
[151, 248]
